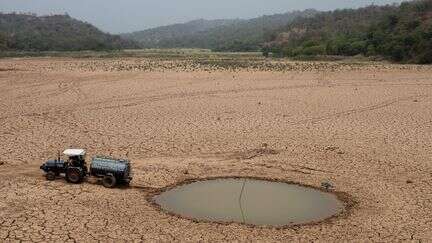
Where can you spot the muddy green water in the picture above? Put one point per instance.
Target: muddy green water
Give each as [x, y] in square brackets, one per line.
[249, 201]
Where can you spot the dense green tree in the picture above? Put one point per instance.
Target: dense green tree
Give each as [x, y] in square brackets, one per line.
[404, 35]
[29, 32]
[3, 41]
[400, 33]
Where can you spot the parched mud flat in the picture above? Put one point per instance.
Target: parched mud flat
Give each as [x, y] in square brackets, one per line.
[366, 128]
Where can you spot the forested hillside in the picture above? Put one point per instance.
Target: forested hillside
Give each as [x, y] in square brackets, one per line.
[219, 35]
[3, 42]
[400, 33]
[54, 33]
[160, 36]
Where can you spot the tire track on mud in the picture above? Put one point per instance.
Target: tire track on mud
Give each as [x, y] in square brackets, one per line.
[130, 102]
[377, 106]
[180, 95]
[136, 101]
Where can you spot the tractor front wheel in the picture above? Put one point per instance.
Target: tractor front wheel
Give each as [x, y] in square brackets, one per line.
[73, 175]
[50, 176]
[109, 181]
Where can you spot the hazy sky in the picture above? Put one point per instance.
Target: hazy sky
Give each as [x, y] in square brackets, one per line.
[117, 16]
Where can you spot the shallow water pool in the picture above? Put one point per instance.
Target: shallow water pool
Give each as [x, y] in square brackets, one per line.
[250, 201]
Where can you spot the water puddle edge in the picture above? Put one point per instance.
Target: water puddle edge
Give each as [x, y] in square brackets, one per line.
[250, 201]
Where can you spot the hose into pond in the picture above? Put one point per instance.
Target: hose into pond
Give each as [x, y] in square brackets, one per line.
[240, 201]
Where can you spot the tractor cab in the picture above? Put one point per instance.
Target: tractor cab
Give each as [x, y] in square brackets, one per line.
[75, 157]
[76, 168]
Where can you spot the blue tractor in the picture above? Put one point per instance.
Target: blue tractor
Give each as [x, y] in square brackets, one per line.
[111, 171]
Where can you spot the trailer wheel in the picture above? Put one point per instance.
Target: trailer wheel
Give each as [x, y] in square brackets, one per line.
[73, 175]
[109, 181]
[50, 176]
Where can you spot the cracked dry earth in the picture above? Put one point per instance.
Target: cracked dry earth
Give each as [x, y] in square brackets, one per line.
[368, 130]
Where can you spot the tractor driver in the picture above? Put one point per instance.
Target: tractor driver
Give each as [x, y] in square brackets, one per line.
[76, 161]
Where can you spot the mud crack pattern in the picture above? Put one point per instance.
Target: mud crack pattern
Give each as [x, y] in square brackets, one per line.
[364, 128]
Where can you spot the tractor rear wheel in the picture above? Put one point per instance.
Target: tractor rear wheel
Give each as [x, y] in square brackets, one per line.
[50, 176]
[74, 175]
[109, 181]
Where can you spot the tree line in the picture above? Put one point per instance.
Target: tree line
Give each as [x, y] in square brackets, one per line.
[218, 35]
[28, 32]
[401, 33]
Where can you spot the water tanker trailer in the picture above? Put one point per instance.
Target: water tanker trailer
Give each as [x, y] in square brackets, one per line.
[112, 171]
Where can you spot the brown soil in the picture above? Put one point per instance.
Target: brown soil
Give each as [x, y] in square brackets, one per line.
[366, 128]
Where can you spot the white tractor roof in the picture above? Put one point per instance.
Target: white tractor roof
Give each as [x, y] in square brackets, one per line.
[74, 152]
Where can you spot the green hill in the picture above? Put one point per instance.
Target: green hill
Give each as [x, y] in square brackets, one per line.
[164, 35]
[29, 32]
[401, 33]
[220, 35]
